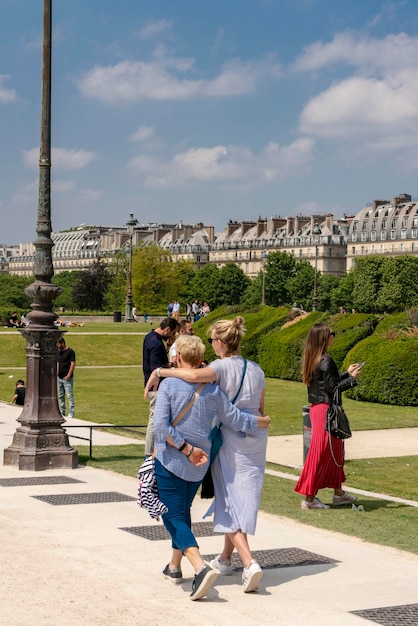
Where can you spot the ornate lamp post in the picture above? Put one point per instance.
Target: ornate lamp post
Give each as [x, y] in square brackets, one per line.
[40, 442]
[316, 235]
[129, 305]
[263, 293]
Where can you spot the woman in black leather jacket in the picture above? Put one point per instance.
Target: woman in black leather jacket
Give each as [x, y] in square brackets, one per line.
[324, 465]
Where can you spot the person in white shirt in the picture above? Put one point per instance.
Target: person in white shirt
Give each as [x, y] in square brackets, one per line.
[186, 328]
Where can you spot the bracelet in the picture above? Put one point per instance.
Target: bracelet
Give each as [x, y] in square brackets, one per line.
[158, 370]
[191, 452]
[183, 445]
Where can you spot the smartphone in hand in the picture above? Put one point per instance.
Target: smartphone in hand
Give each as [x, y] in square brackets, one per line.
[360, 365]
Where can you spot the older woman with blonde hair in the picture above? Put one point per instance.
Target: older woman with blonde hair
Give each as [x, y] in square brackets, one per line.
[238, 470]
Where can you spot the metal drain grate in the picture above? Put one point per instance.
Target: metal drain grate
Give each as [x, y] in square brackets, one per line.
[159, 533]
[41, 480]
[282, 557]
[84, 498]
[404, 615]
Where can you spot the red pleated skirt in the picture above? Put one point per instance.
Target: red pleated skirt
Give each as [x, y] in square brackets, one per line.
[320, 470]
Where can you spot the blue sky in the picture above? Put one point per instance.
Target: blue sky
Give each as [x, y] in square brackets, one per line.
[208, 111]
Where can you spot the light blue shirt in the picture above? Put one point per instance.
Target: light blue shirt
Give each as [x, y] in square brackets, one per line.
[211, 406]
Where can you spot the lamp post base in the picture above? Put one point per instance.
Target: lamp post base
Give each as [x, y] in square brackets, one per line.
[40, 442]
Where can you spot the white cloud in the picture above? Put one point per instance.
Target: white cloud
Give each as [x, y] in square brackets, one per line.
[27, 193]
[368, 54]
[91, 195]
[379, 99]
[63, 186]
[6, 95]
[225, 164]
[164, 79]
[143, 133]
[61, 158]
[154, 28]
[361, 105]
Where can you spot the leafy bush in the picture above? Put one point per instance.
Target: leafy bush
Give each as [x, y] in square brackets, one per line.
[350, 329]
[390, 375]
[281, 350]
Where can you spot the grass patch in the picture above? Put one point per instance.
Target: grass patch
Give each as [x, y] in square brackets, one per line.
[385, 523]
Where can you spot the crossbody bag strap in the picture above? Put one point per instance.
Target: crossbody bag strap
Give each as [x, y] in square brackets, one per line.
[188, 405]
[241, 383]
[239, 388]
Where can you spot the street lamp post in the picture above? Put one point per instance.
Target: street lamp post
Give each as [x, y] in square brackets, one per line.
[129, 304]
[40, 442]
[316, 237]
[263, 293]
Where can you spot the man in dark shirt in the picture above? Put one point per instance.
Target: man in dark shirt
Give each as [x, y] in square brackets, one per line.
[20, 392]
[65, 371]
[155, 355]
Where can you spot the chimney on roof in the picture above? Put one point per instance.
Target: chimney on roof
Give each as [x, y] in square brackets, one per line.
[377, 203]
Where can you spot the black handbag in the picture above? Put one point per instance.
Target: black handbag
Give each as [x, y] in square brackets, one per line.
[336, 423]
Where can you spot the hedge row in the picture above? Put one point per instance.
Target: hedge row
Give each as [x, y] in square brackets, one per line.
[390, 375]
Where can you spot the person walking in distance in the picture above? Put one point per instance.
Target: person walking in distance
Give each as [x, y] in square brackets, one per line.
[65, 376]
[154, 354]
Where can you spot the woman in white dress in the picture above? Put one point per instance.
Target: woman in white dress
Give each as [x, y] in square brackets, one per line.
[238, 470]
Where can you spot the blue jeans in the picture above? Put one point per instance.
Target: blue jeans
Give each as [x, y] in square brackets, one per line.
[65, 388]
[178, 495]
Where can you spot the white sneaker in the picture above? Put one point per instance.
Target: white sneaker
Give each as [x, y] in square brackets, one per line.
[346, 498]
[251, 576]
[222, 567]
[315, 504]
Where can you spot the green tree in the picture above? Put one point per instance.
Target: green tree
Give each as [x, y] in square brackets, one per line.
[206, 286]
[12, 291]
[254, 292]
[367, 274]
[66, 280]
[183, 275]
[153, 278]
[115, 295]
[399, 284]
[327, 286]
[280, 266]
[342, 295]
[233, 284]
[90, 287]
[300, 285]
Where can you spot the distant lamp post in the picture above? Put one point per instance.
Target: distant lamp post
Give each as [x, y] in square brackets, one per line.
[129, 305]
[316, 237]
[263, 293]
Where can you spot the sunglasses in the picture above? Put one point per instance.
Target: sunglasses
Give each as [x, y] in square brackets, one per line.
[332, 334]
[212, 339]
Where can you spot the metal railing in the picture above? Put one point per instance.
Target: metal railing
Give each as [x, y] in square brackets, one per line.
[91, 427]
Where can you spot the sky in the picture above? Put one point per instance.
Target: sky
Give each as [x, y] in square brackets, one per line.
[192, 111]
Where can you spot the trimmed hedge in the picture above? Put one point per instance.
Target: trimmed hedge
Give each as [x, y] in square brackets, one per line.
[390, 375]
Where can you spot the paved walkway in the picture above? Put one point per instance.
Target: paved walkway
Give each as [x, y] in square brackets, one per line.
[68, 564]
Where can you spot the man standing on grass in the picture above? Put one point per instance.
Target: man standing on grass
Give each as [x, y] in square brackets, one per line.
[65, 380]
[155, 355]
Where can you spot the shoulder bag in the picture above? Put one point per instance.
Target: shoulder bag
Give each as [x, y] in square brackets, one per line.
[336, 423]
[148, 497]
